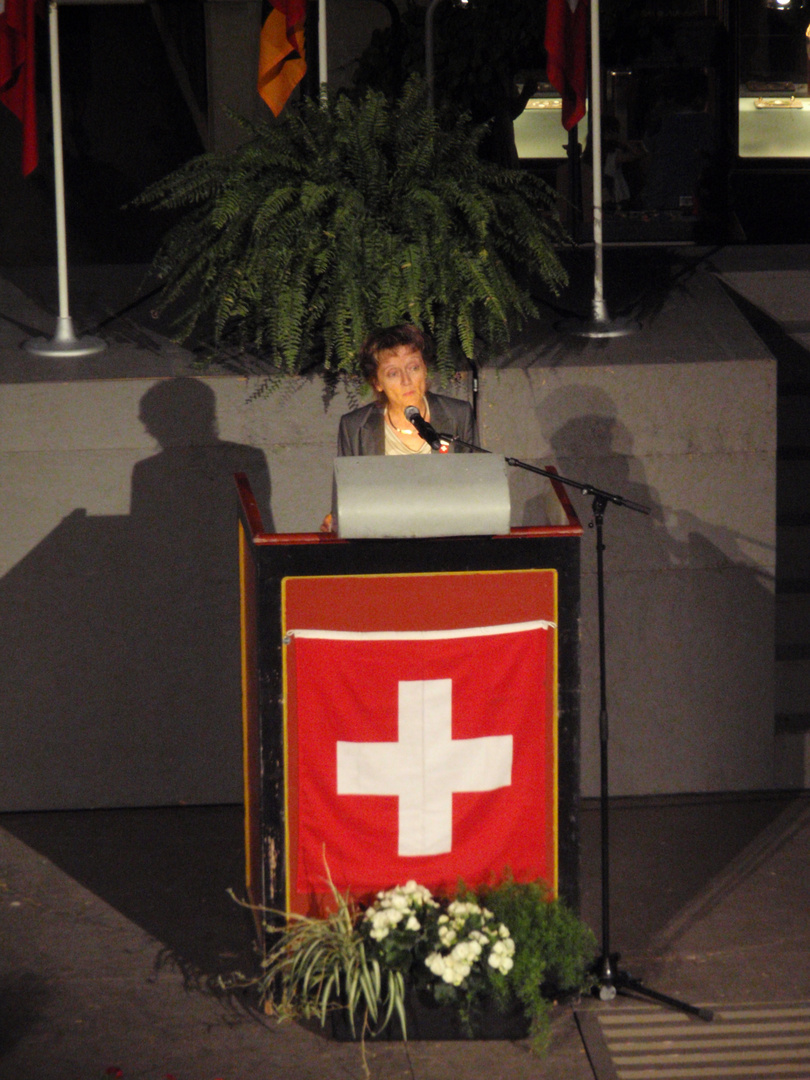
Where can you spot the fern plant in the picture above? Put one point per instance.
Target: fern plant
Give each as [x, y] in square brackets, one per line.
[553, 951]
[347, 215]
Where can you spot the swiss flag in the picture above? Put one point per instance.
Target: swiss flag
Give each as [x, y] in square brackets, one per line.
[18, 72]
[427, 755]
[566, 42]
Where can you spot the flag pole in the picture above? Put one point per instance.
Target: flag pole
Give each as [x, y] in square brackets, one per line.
[600, 325]
[64, 344]
[323, 73]
[599, 309]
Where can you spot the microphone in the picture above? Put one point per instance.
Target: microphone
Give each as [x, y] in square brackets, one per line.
[423, 428]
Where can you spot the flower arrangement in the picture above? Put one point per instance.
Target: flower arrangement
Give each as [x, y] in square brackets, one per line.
[512, 946]
[407, 930]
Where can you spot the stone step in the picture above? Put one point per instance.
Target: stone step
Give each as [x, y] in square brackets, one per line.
[793, 418]
[792, 624]
[793, 375]
[796, 371]
[792, 689]
[792, 488]
[791, 752]
[794, 453]
[792, 558]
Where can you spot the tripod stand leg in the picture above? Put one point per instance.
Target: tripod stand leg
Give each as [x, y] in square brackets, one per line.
[623, 981]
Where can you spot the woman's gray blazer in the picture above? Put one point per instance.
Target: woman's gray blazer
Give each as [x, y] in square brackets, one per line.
[362, 433]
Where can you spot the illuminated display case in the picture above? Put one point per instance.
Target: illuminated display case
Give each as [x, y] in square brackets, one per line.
[710, 113]
[773, 104]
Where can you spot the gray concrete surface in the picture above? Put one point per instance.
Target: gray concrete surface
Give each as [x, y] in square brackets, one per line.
[84, 989]
[120, 582]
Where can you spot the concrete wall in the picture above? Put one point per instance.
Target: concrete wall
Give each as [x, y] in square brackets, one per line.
[118, 583]
[689, 588]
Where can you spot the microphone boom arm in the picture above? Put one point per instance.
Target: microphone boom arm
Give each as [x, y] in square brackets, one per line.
[599, 496]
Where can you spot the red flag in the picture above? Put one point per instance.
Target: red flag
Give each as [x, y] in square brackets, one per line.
[421, 755]
[282, 63]
[18, 72]
[566, 44]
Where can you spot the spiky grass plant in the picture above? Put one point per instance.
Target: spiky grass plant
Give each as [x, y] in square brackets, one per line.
[319, 964]
[348, 215]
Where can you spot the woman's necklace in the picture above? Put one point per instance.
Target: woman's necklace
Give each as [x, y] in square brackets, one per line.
[401, 430]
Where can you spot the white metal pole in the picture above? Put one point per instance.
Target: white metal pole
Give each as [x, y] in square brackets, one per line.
[58, 160]
[599, 309]
[429, 64]
[64, 342]
[322, 53]
[600, 325]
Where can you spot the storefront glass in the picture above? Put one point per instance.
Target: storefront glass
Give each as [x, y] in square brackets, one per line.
[774, 108]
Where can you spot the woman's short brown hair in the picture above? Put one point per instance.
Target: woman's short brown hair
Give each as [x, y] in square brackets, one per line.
[392, 337]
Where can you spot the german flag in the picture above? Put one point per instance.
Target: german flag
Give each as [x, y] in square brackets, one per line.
[282, 62]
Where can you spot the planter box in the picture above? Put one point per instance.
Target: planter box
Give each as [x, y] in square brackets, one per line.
[427, 1021]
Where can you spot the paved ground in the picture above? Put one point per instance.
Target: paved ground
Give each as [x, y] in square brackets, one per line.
[710, 904]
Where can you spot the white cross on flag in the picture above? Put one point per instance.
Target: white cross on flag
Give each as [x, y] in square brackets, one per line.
[426, 755]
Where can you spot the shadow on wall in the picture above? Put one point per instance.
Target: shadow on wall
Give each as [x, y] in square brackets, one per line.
[689, 622]
[121, 682]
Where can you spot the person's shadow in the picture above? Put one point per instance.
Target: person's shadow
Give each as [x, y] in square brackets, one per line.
[121, 664]
[689, 625]
[185, 559]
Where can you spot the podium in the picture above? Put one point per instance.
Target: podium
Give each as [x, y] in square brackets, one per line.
[478, 634]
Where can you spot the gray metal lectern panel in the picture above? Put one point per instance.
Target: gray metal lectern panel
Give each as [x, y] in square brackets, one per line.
[436, 495]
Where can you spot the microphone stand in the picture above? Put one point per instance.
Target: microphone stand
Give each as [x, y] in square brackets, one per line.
[610, 978]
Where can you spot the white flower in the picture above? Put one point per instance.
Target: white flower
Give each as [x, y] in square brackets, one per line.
[447, 936]
[460, 909]
[436, 963]
[465, 932]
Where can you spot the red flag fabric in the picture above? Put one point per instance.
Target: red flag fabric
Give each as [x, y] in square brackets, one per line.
[422, 755]
[566, 42]
[282, 62]
[18, 72]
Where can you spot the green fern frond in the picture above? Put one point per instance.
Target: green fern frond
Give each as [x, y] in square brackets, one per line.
[352, 214]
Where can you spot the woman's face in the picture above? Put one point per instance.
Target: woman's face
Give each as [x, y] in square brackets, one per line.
[401, 377]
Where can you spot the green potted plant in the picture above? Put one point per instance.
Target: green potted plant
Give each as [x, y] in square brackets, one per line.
[345, 215]
[413, 964]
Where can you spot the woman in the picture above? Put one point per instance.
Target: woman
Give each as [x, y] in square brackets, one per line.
[394, 362]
